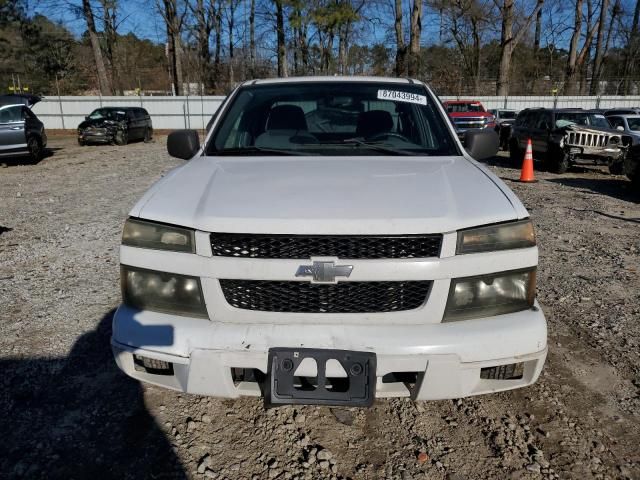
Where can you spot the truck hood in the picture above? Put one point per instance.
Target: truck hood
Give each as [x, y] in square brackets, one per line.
[329, 195]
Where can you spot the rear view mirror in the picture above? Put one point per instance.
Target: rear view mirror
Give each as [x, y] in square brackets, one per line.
[183, 144]
[481, 144]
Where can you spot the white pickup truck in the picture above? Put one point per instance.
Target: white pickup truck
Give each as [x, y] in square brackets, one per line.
[331, 241]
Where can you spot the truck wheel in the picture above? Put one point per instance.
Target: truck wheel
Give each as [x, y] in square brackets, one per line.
[81, 142]
[147, 135]
[515, 154]
[559, 162]
[616, 167]
[121, 138]
[35, 148]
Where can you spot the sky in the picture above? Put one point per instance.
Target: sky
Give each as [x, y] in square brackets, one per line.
[141, 18]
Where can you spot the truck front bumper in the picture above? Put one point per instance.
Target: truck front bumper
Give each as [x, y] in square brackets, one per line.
[446, 358]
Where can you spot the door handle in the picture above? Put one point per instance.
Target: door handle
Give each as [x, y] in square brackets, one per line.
[16, 128]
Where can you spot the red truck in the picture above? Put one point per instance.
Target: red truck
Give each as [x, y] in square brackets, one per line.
[468, 115]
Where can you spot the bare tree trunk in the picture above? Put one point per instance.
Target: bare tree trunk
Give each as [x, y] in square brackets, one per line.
[617, 9]
[252, 35]
[204, 25]
[401, 48]
[508, 43]
[536, 38]
[570, 75]
[217, 25]
[343, 47]
[476, 55]
[174, 28]
[632, 49]
[103, 81]
[597, 62]
[232, 9]
[282, 47]
[414, 39]
[109, 18]
[304, 47]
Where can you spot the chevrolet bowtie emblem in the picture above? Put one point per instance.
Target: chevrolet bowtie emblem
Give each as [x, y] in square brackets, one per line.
[324, 272]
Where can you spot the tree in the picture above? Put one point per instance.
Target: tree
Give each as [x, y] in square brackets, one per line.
[109, 12]
[414, 38]
[576, 58]
[509, 41]
[103, 81]
[632, 49]
[597, 62]
[280, 34]
[173, 22]
[401, 47]
[205, 17]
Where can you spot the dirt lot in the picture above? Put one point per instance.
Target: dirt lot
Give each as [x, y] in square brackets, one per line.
[67, 412]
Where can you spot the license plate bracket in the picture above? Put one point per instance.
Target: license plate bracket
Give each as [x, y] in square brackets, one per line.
[282, 387]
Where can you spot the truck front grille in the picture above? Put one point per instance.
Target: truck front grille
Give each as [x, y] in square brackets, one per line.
[469, 122]
[246, 245]
[344, 297]
[583, 139]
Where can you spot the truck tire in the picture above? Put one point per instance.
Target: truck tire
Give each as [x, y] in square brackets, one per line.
[616, 167]
[121, 138]
[515, 154]
[559, 162]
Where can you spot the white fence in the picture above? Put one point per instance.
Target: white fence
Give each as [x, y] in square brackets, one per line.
[521, 102]
[195, 112]
[166, 112]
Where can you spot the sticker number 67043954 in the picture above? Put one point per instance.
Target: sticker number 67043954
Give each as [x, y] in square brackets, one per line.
[399, 96]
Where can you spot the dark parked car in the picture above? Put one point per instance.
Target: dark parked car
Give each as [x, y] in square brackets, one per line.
[565, 137]
[117, 125]
[21, 132]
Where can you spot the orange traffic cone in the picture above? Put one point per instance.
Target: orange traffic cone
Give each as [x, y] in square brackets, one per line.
[527, 166]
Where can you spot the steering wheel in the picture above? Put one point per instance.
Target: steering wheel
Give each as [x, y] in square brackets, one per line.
[383, 135]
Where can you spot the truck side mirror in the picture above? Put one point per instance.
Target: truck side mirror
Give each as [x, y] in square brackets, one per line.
[481, 144]
[620, 128]
[183, 144]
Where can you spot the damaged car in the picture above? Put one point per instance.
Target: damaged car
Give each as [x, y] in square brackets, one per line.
[21, 132]
[115, 125]
[566, 137]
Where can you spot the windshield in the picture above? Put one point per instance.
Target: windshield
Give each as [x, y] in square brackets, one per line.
[598, 120]
[332, 118]
[464, 107]
[507, 114]
[107, 113]
[634, 123]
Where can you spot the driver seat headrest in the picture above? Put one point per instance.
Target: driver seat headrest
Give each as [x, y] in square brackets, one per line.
[373, 123]
[286, 117]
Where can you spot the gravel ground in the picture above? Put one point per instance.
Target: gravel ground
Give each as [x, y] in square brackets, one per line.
[67, 412]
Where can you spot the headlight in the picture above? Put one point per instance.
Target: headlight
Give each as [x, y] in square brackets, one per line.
[503, 236]
[144, 234]
[162, 292]
[489, 295]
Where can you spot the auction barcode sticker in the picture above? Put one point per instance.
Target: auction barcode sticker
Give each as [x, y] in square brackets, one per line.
[402, 96]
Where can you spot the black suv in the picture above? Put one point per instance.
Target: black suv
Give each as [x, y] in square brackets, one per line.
[116, 125]
[21, 132]
[564, 137]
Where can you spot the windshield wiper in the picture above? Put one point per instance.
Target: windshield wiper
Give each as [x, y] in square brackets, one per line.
[253, 149]
[375, 146]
